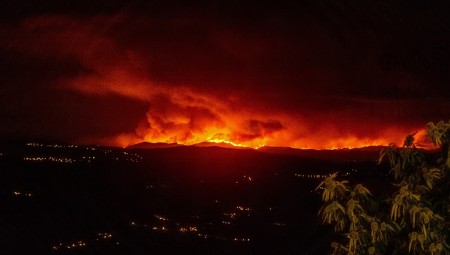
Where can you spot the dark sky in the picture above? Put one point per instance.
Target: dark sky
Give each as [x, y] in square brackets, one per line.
[317, 74]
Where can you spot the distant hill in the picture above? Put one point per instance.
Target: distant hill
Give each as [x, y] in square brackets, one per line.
[147, 145]
[370, 153]
[222, 145]
[365, 153]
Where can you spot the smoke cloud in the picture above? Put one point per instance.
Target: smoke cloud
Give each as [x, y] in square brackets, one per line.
[190, 78]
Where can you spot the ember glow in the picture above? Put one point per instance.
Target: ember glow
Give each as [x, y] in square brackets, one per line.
[198, 120]
[261, 77]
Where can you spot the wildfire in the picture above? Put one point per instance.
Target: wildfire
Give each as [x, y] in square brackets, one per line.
[281, 139]
[189, 102]
[189, 117]
[226, 141]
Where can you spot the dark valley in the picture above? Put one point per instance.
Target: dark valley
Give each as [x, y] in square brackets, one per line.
[68, 199]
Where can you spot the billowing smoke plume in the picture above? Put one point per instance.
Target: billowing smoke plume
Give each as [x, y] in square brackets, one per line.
[208, 82]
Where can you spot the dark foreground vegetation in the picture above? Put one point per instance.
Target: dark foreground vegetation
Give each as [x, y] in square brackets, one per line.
[411, 218]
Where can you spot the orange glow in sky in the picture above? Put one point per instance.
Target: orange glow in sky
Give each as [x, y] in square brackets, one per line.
[209, 87]
[185, 117]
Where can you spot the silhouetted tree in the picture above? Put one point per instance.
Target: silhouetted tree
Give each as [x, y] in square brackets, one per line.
[414, 219]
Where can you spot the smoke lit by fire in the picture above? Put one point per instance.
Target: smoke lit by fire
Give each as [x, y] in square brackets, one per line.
[207, 107]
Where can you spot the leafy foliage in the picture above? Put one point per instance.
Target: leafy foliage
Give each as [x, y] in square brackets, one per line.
[414, 219]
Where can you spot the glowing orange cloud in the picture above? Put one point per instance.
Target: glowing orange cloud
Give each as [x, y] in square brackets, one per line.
[186, 117]
[183, 114]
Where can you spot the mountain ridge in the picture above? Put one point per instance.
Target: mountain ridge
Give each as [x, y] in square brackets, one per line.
[363, 153]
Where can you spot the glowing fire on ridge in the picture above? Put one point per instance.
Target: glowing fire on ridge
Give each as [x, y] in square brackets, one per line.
[218, 141]
[226, 141]
[189, 117]
[281, 139]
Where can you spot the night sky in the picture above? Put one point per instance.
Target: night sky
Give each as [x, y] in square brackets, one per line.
[305, 74]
